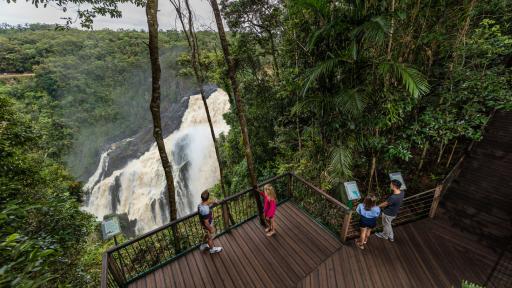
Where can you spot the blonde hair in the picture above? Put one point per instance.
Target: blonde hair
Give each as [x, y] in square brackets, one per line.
[270, 191]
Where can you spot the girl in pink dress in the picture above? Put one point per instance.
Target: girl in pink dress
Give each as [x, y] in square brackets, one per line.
[269, 208]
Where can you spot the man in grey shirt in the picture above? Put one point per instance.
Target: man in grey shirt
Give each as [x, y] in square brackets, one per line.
[390, 209]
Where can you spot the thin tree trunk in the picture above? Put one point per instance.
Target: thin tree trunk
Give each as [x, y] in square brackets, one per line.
[423, 156]
[441, 150]
[239, 106]
[198, 73]
[451, 154]
[151, 14]
[372, 169]
[391, 30]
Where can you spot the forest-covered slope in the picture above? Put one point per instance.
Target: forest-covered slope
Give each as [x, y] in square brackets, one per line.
[334, 90]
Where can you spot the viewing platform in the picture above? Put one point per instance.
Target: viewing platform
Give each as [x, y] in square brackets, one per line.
[313, 247]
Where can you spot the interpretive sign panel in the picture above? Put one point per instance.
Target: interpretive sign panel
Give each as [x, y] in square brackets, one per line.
[398, 176]
[110, 227]
[352, 190]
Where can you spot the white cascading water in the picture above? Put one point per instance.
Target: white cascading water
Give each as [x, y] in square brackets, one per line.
[141, 183]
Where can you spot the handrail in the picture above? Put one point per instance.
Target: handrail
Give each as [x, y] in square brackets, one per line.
[419, 194]
[318, 190]
[132, 259]
[181, 219]
[104, 270]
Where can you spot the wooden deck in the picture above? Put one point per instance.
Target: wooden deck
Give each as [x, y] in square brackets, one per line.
[427, 253]
[250, 259]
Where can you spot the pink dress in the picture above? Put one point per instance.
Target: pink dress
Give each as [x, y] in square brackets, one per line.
[269, 206]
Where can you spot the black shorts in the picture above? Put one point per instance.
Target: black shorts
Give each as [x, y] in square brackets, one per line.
[367, 222]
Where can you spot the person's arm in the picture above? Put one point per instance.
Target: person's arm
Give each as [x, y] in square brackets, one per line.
[383, 204]
[262, 194]
[358, 209]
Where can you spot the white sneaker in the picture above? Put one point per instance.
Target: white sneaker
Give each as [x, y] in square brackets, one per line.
[215, 250]
[204, 246]
[381, 235]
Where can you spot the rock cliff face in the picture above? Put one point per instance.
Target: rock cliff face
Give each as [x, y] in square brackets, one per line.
[129, 178]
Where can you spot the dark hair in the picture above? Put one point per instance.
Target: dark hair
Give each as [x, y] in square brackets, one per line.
[205, 195]
[396, 183]
[369, 202]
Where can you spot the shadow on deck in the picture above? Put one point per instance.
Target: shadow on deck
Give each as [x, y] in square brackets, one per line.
[427, 253]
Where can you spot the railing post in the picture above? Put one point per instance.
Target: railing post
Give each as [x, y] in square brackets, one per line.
[435, 201]
[346, 225]
[225, 215]
[114, 270]
[290, 186]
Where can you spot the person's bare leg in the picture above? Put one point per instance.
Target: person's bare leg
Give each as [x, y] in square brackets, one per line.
[272, 227]
[268, 228]
[367, 235]
[362, 234]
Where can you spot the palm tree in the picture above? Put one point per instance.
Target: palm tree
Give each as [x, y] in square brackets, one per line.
[151, 14]
[240, 109]
[351, 70]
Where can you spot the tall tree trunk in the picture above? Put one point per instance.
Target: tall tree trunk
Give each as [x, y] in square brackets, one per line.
[151, 14]
[451, 154]
[200, 78]
[239, 106]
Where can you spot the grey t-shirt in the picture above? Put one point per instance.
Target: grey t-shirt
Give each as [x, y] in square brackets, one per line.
[395, 200]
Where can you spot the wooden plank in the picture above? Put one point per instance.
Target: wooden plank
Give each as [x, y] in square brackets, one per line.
[302, 235]
[252, 271]
[194, 270]
[160, 279]
[226, 259]
[222, 271]
[319, 230]
[250, 254]
[247, 275]
[150, 281]
[203, 271]
[274, 266]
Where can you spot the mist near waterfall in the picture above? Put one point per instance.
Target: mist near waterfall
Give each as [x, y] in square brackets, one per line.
[138, 188]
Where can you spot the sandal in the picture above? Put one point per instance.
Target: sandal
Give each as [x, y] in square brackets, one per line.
[359, 245]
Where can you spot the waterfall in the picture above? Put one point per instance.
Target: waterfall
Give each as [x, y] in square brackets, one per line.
[138, 189]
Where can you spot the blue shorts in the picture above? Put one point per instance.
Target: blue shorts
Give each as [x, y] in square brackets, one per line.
[365, 222]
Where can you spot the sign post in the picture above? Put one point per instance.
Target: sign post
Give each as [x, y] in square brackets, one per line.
[110, 227]
[352, 191]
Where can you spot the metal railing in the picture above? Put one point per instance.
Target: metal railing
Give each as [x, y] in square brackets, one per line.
[135, 258]
[413, 208]
[320, 206]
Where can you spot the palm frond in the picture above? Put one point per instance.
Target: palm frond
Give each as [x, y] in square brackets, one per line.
[352, 102]
[340, 165]
[319, 7]
[414, 81]
[323, 68]
[374, 30]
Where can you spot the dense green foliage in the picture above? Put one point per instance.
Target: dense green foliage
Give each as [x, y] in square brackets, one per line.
[89, 90]
[334, 90]
[362, 88]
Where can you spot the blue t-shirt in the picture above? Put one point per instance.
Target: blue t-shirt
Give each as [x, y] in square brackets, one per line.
[372, 213]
